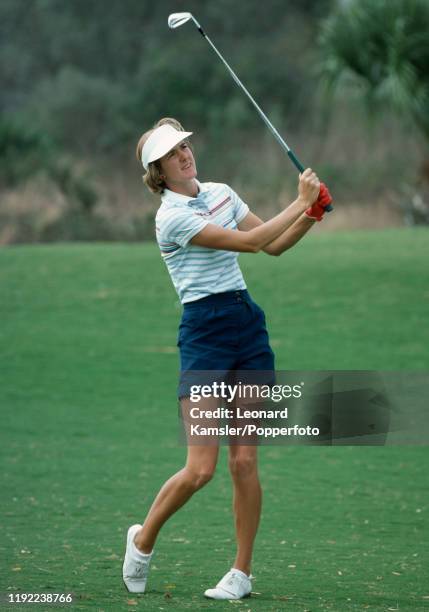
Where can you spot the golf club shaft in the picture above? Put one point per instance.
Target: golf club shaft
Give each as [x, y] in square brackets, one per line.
[267, 122]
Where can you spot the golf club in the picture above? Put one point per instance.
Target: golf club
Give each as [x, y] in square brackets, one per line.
[175, 20]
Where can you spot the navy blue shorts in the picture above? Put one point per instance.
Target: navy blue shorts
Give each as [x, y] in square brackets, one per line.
[223, 333]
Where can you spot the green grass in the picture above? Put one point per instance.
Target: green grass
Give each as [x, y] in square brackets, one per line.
[89, 429]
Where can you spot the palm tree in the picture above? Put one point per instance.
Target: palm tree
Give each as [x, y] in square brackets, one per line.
[382, 47]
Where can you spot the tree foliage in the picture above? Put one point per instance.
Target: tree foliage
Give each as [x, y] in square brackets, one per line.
[94, 75]
[381, 46]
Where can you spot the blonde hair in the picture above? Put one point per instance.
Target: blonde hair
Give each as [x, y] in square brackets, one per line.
[153, 177]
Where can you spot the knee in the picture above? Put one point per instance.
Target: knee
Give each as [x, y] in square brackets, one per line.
[198, 478]
[242, 466]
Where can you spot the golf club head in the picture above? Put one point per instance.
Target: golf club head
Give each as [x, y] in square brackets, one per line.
[175, 20]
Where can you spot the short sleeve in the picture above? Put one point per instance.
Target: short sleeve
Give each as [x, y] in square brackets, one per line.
[179, 225]
[240, 208]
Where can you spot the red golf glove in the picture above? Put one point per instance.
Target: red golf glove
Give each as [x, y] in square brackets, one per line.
[317, 209]
[325, 197]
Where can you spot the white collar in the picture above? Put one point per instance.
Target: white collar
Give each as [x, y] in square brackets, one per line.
[173, 196]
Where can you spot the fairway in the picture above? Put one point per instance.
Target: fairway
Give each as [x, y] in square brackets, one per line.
[89, 430]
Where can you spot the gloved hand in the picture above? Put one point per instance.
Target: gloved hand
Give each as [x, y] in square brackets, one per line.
[325, 197]
[317, 209]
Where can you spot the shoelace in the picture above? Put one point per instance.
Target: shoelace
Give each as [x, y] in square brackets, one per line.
[234, 577]
[141, 569]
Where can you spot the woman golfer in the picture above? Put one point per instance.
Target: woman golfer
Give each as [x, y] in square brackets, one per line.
[200, 229]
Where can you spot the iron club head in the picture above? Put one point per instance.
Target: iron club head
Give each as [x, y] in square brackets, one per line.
[175, 20]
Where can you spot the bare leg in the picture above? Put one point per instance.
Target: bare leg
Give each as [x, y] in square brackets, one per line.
[199, 469]
[247, 501]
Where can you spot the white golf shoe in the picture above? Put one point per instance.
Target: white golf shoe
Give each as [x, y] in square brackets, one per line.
[135, 569]
[234, 585]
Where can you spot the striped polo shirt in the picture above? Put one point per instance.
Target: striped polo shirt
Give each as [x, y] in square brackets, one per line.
[199, 271]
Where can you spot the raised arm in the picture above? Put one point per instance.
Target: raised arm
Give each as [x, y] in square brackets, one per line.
[254, 240]
[285, 241]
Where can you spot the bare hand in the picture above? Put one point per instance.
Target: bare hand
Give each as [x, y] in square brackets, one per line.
[309, 186]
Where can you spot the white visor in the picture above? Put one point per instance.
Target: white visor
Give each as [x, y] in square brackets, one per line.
[160, 142]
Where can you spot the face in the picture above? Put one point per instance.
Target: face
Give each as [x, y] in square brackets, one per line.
[178, 165]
